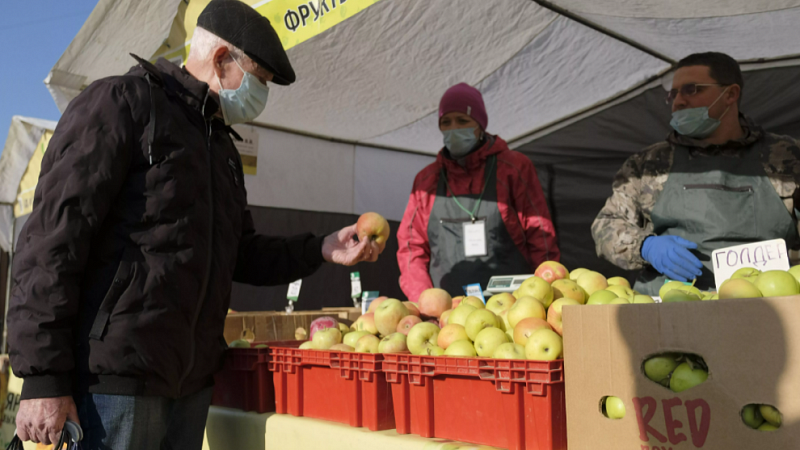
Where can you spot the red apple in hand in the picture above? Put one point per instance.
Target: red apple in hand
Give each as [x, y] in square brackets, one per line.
[374, 227]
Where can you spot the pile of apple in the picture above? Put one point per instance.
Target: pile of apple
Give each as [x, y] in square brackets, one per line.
[748, 282]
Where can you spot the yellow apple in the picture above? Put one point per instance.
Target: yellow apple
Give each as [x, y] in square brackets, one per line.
[601, 297]
[373, 305]
[473, 301]
[554, 313]
[478, 320]
[374, 227]
[342, 347]
[352, 337]
[393, 343]
[451, 333]
[488, 340]
[500, 302]
[526, 327]
[368, 344]
[738, 288]
[592, 282]
[544, 345]
[574, 274]
[525, 307]
[509, 350]
[463, 348]
[569, 289]
[777, 283]
[388, 315]
[460, 314]
[422, 336]
[537, 288]
[619, 281]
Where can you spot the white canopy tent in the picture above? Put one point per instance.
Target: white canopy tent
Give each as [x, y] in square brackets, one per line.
[350, 135]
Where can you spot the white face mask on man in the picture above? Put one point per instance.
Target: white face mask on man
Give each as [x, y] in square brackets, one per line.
[244, 103]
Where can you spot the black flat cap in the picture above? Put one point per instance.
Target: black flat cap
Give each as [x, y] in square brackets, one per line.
[250, 32]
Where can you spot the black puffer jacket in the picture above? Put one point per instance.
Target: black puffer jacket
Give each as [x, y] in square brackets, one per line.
[123, 273]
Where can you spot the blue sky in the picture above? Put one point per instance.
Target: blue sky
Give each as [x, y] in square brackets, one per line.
[34, 34]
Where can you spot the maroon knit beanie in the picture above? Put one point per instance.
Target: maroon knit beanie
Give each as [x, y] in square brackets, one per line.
[464, 99]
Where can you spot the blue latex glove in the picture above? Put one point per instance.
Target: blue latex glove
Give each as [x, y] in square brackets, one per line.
[669, 256]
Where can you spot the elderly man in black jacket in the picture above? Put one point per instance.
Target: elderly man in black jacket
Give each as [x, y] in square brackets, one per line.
[123, 274]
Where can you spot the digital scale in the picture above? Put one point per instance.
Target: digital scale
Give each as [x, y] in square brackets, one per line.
[504, 283]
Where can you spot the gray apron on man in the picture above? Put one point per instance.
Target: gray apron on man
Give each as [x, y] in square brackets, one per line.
[717, 202]
[450, 268]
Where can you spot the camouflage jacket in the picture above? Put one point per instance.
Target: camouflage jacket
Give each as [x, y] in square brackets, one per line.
[624, 222]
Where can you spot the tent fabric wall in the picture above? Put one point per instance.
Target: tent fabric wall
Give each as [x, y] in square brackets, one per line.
[23, 137]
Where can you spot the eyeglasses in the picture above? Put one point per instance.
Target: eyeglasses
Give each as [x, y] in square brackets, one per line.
[687, 90]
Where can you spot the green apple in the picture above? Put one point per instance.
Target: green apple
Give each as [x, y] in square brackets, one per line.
[622, 292]
[478, 320]
[502, 321]
[393, 343]
[526, 307]
[751, 416]
[308, 345]
[776, 283]
[463, 348]
[569, 289]
[434, 350]
[239, 343]
[342, 348]
[526, 327]
[658, 368]
[619, 281]
[509, 350]
[619, 301]
[738, 288]
[770, 414]
[673, 285]
[344, 329]
[679, 295]
[766, 426]
[601, 297]
[500, 302]
[451, 333]
[640, 298]
[261, 346]
[592, 282]
[684, 377]
[388, 315]
[367, 344]
[745, 272]
[615, 408]
[474, 302]
[537, 288]
[576, 273]
[554, 313]
[795, 271]
[460, 314]
[325, 339]
[488, 339]
[352, 337]
[422, 336]
[544, 344]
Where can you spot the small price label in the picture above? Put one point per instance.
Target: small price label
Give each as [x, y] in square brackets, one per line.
[294, 290]
[366, 298]
[355, 284]
[474, 290]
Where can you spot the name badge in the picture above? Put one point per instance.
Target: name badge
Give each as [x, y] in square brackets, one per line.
[475, 238]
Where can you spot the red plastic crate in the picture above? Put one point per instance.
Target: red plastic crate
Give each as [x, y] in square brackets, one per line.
[513, 404]
[245, 381]
[342, 387]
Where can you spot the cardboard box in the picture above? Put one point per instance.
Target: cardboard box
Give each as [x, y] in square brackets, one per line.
[752, 348]
[351, 314]
[268, 325]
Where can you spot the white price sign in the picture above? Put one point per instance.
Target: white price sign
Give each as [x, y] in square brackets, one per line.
[764, 255]
[294, 290]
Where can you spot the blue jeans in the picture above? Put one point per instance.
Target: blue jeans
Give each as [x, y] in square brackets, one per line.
[120, 422]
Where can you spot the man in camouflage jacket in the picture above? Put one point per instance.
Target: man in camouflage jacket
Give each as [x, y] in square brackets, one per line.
[626, 220]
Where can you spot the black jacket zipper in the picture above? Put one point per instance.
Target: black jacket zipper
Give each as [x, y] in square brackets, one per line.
[204, 287]
[718, 187]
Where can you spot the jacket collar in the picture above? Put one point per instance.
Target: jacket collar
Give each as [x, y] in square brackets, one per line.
[178, 81]
[474, 160]
[752, 133]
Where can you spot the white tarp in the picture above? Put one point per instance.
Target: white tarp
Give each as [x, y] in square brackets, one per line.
[23, 137]
[375, 80]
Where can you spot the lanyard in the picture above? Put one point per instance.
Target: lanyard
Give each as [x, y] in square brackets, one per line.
[478, 203]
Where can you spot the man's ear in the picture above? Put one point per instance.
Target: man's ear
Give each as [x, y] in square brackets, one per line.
[733, 94]
[218, 58]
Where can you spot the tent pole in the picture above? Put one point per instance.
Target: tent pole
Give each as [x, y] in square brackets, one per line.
[559, 10]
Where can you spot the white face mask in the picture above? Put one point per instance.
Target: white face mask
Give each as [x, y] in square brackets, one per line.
[246, 102]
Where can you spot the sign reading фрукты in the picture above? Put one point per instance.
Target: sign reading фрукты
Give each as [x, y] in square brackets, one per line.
[764, 255]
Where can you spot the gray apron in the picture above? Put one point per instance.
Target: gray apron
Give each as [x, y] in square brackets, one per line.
[717, 202]
[450, 269]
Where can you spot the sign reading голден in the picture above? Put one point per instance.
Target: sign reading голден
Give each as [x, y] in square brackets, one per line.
[764, 255]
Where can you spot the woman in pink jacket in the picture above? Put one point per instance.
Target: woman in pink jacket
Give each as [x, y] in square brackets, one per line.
[477, 211]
